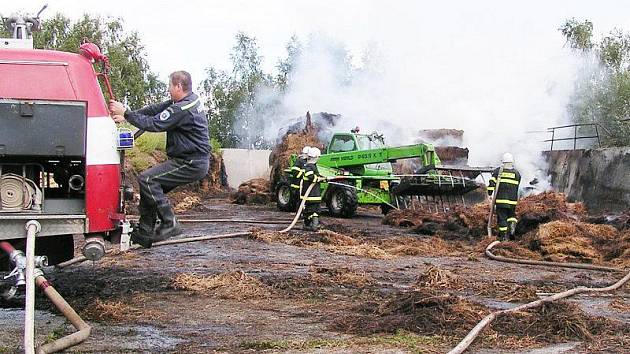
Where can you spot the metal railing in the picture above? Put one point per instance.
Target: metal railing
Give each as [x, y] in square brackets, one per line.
[575, 137]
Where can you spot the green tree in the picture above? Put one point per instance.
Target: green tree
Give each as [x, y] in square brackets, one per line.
[603, 95]
[233, 105]
[287, 65]
[131, 78]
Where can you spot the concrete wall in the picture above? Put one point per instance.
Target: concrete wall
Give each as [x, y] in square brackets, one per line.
[598, 177]
[242, 165]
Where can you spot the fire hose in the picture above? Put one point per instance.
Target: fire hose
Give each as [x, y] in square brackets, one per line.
[34, 277]
[81, 259]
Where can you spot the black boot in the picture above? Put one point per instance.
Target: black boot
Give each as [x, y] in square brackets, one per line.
[141, 237]
[169, 226]
[143, 232]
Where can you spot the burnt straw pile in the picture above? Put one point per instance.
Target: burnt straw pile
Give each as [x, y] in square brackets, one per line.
[550, 228]
[311, 130]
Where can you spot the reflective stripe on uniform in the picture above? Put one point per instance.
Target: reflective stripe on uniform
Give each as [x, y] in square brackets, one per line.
[295, 186]
[490, 188]
[510, 181]
[312, 199]
[506, 201]
[190, 105]
[312, 215]
[512, 220]
[492, 179]
[503, 228]
[508, 175]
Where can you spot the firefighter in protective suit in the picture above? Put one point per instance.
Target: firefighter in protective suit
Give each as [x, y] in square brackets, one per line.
[506, 196]
[297, 172]
[314, 198]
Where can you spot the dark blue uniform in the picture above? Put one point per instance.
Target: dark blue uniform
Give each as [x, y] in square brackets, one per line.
[188, 148]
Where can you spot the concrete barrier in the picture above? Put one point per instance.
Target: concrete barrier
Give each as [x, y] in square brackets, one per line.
[598, 177]
[242, 165]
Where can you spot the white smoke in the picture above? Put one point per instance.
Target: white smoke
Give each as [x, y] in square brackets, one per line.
[498, 84]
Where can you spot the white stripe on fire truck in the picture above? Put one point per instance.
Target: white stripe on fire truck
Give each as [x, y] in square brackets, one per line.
[101, 142]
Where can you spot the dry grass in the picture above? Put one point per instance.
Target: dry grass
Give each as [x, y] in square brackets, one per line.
[229, 285]
[435, 277]
[431, 247]
[573, 241]
[116, 311]
[423, 311]
[362, 250]
[187, 203]
[556, 322]
[506, 291]
[342, 276]
[513, 249]
[326, 240]
[619, 305]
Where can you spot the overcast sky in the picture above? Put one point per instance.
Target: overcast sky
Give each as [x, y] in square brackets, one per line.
[196, 34]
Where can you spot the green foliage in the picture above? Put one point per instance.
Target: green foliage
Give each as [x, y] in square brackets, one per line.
[603, 95]
[215, 144]
[232, 105]
[578, 34]
[149, 142]
[130, 76]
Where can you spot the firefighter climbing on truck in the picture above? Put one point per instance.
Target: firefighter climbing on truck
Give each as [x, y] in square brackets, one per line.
[188, 149]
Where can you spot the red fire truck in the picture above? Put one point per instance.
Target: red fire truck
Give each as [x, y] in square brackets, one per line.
[60, 157]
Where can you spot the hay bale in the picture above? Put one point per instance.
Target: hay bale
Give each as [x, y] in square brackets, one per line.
[254, 191]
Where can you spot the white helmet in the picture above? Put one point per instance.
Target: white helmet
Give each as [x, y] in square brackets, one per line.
[507, 158]
[305, 150]
[313, 153]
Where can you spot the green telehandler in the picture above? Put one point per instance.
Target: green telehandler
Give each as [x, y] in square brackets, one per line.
[359, 172]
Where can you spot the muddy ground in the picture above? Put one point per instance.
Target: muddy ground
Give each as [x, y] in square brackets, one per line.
[358, 289]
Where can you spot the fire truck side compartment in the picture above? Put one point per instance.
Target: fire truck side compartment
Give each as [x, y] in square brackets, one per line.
[42, 128]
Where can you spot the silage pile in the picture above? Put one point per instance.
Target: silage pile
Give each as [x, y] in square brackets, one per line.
[549, 228]
[310, 130]
[254, 191]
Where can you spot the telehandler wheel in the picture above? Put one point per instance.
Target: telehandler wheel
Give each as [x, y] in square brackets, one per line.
[286, 200]
[342, 201]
